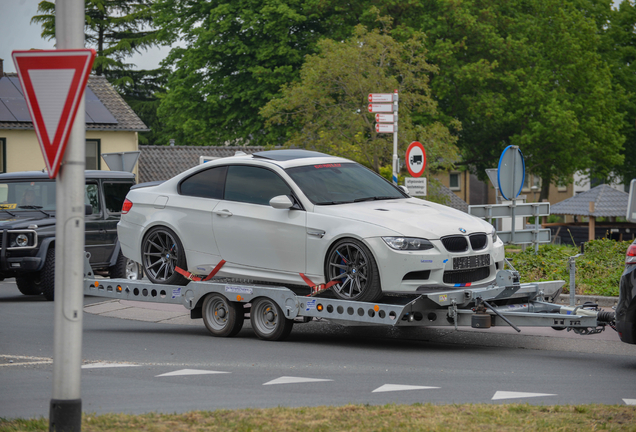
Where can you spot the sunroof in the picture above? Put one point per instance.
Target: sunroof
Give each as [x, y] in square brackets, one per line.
[285, 155]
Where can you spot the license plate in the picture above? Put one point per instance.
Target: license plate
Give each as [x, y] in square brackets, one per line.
[469, 262]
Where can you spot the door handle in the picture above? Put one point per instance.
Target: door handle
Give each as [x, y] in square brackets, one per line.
[223, 213]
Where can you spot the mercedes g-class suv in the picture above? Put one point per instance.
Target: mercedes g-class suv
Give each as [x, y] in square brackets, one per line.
[27, 221]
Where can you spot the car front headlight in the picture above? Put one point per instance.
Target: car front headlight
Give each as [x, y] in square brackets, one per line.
[408, 243]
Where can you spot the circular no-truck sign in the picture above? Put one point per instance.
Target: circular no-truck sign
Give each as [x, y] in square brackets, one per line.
[416, 159]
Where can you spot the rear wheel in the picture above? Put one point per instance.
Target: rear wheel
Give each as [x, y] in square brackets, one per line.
[351, 264]
[29, 284]
[125, 268]
[162, 252]
[268, 320]
[222, 317]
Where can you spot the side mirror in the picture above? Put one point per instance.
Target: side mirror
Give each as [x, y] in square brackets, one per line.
[281, 202]
[88, 210]
[405, 190]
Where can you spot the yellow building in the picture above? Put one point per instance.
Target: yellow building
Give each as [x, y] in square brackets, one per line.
[111, 126]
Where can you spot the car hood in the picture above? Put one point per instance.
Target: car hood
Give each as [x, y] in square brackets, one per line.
[23, 222]
[410, 217]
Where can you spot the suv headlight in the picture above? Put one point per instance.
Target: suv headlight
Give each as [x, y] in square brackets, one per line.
[408, 243]
[22, 239]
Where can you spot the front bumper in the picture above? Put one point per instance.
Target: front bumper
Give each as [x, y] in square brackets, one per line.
[626, 308]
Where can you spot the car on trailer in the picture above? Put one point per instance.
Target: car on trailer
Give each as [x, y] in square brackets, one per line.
[27, 221]
[288, 216]
[626, 308]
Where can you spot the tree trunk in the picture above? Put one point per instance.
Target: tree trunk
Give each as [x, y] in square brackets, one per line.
[545, 188]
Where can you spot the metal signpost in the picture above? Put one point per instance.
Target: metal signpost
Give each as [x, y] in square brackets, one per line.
[387, 123]
[631, 202]
[510, 176]
[57, 93]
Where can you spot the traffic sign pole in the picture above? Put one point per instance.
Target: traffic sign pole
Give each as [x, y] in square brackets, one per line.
[66, 403]
[396, 168]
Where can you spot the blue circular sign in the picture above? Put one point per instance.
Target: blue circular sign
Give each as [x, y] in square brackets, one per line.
[511, 172]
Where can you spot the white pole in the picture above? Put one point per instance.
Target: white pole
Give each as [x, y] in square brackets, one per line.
[66, 405]
[396, 168]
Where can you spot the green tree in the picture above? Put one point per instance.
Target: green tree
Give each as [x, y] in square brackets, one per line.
[326, 109]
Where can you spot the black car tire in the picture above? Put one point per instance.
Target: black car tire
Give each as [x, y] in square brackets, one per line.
[29, 284]
[351, 259]
[161, 253]
[121, 269]
[47, 275]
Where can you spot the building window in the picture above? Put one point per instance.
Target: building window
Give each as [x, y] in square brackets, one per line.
[93, 154]
[3, 155]
[454, 183]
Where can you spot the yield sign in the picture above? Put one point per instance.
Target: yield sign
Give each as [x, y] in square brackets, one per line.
[53, 83]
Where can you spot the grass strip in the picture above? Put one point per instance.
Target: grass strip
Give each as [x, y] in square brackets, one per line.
[364, 418]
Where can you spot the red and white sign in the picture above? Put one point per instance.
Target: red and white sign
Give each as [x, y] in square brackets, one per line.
[53, 83]
[416, 159]
[380, 97]
[384, 128]
[384, 118]
[375, 108]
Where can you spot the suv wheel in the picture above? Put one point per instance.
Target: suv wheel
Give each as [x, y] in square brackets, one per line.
[29, 284]
[47, 275]
[125, 268]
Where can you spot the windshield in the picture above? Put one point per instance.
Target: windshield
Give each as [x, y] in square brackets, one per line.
[342, 183]
[27, 196]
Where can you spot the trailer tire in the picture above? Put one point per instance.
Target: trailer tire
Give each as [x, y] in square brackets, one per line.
[268, 320]
[222, 317]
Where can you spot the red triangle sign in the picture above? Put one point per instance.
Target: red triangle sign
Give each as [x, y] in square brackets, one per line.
[53, 83]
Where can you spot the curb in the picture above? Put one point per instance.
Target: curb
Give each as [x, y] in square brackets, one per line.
[580, 299]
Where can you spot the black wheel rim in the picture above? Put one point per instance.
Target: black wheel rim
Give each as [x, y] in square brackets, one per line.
[161, 254]
[349, 265]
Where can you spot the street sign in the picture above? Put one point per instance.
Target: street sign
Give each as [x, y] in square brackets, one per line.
[384, 118]
[631, 202]
[416, 159]
[384, 127]
[375, 108]
[511, 172]
[53, 83]
[416, 186]
[380, 97]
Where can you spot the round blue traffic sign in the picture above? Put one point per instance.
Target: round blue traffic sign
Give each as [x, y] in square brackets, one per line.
[511, 172]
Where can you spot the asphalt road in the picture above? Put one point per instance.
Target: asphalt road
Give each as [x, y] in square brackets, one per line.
[141, 358]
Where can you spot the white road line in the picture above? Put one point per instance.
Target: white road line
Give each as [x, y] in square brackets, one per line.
[191, 372]
[516, 395]
[99, 365]
[294, 380]
[400, 387]
[629, 401]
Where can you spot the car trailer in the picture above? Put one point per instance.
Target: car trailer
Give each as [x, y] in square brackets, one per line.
[222, 304]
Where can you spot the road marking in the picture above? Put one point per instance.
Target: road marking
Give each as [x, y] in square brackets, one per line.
[13, 360]
[191, 372]
[400, 387]
[629, 401]
[515, 395]
[107, 365]
[293, 380]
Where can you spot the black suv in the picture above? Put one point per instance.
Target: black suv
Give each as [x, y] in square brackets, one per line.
[626, 308]
[27, 221]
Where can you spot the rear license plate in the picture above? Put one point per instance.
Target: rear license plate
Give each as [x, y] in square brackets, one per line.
[469, 262]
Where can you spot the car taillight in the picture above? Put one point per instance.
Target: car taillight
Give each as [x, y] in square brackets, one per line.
[630, 256]
[125, 208]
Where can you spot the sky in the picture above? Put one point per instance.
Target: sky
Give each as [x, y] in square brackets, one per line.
[17, 33]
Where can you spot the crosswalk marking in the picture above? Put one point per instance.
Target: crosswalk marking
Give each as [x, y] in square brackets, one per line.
[515, 395]
[400, 387]
[294, 380]
[190, 372]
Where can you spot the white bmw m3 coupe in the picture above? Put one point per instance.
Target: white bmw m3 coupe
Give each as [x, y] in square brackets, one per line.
[288, 216]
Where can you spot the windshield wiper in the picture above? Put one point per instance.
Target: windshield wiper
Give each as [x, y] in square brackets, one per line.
[12, 214]
[33, 207]
[373, 198]
[333, 202]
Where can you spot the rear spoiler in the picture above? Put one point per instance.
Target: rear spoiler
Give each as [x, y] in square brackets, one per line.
[147, 184]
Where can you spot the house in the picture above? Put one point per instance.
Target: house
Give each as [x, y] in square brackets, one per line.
[111, 125]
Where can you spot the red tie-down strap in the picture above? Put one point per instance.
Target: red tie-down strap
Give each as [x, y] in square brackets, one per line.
[195, 278]
[316, 289]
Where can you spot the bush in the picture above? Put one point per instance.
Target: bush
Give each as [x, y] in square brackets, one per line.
[598, 271]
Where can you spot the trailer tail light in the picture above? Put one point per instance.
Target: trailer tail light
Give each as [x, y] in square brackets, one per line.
[630, 256]
[125, 208]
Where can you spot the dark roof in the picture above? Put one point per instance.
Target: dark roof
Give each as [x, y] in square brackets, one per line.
[42, 175]
[109, 111]
[165, 162]
[454, 201]
[607, 202]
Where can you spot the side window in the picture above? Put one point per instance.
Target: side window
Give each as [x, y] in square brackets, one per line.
[91, 196]
[253, 185]
[205, 184]
[114, 195]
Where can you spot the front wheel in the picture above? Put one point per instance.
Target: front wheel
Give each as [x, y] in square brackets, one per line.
[222, 317]
[161, 253]
[29, 284]
[125, 268]
[268, 320]
[47, 275]
[350, 263]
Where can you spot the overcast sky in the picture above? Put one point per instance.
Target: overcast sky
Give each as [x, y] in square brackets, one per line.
[17, 33]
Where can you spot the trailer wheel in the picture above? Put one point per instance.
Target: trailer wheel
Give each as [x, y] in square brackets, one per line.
[268, 320]
[222, 317]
